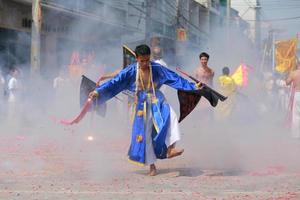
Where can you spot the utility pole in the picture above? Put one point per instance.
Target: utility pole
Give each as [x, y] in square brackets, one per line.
[180, 42]
[177, 14]
[273, 49]
[209, 26]
[257, 25]
[36, 37]
[148, 28]
[228, 5]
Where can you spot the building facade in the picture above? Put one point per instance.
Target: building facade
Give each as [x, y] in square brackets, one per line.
[104, 25]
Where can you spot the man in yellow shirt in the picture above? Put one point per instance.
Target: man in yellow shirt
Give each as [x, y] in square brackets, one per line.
[227, 87]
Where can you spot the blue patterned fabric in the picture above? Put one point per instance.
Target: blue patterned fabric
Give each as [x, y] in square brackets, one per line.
[126, 80]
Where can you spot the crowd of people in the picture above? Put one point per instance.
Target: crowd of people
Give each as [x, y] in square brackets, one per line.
[225, 111]
[146, 79]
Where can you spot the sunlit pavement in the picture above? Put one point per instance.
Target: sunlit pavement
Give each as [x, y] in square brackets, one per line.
[80, 167]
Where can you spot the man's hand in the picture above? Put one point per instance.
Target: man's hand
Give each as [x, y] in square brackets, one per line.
[94, 94]
[199, 85]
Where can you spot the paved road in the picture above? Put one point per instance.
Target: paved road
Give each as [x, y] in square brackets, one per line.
[73, 167]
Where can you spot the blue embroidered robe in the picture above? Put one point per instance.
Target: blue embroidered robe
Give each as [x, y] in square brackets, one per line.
[126, 80]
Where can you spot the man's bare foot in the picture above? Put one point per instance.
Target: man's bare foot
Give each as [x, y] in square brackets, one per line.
[172, 152]
[152, 170]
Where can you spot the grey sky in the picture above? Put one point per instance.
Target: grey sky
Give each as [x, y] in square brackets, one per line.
[283, 15]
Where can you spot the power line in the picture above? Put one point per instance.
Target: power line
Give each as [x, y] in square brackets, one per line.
[279, 19]
[270, 8]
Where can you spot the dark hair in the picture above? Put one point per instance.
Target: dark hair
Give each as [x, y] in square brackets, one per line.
[142, 50]
[226, 71]
[204, 54]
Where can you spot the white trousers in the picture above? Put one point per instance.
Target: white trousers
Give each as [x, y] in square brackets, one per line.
[173, 135]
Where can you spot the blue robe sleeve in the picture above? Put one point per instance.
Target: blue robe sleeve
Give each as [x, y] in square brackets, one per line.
[175, 81]
[120, 82]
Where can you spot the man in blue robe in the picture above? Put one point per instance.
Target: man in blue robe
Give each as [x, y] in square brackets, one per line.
[154, 130]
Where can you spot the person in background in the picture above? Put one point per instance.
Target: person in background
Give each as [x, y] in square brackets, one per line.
[157, 56]
[2, 86]
[203, 73]
[13, 92]
[228, 88]
[60, 81]
[293, 80]
[2, 90]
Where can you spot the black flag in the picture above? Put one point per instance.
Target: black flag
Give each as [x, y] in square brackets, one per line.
[128, 56]
[87, 86]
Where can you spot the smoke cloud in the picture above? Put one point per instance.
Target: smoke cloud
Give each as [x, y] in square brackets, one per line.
[254, 137]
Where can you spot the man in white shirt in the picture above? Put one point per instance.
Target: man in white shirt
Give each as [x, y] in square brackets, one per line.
[2, 86]
[13, 85]
[13, 92]
[2, 89]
